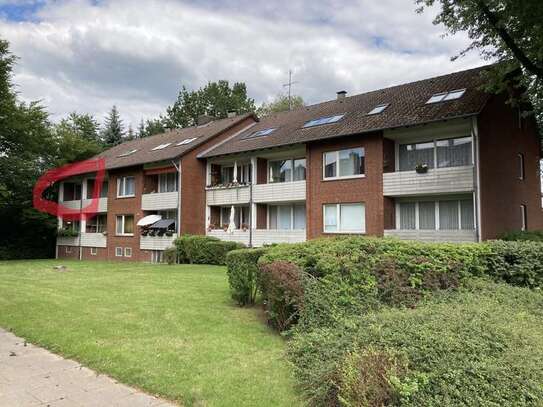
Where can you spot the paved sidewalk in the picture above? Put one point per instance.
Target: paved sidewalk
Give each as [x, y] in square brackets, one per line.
[32, 376]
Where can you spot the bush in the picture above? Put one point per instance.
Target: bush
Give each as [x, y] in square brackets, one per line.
[282, 289]
[199, 249]
[170, 255]
[242, 274]
[519, 263]
[480, 345]
[533, 235]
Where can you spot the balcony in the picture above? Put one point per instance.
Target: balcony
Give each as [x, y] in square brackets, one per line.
[261, 236]
[227, 195]
[160, 200]
[279, 192]
[87, 240]
[102, 204]
[435, 181]
[451, 236]
[156, 242]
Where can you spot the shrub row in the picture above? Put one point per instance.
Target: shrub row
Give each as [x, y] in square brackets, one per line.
[533, 235]
[198, 249]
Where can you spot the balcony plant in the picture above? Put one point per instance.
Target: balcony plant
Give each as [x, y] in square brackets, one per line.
[67, 233]
[421, 168]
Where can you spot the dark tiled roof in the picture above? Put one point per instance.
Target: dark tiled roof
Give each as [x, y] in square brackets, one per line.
[407, 107]
[144, 146]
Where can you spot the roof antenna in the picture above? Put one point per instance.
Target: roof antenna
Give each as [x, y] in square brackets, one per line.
[289, 85]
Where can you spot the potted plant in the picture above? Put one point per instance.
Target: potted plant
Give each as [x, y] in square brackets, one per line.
[67, 233]
[421, 168]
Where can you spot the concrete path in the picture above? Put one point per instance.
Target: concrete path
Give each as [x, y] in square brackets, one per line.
[32, 376]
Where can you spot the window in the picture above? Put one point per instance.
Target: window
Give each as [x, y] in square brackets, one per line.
[126, 187]
[523, 217]
[521, 169]
[445, 96]
[68, 249]
[127, 153]
[72, 191]
[160, 147]
[73, 225]
[127, 252]
[241, 216]
[260, 133]
[90, 189]
[344, 218]
[286, 217]
[98, 224]
[186, 141]
[124, 225]
[436, 215]
[287, 170]
[446, 153]
[93, 251]
[344, 163]
[324, 120]
[119, 252]
[167, 182]
[378, 109]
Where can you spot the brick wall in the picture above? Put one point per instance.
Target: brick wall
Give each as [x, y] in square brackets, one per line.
[502, 138]
[368, 190]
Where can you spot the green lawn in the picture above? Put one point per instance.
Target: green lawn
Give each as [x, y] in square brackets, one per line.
[170, 330]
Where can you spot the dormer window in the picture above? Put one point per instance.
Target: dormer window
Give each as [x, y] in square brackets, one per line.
[324, 120]
[186, 141]
[127, 153]
[260, 133]
[378, 109]
[446, 96]
[161, 146]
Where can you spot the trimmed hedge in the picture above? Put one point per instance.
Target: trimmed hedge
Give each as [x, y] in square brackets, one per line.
[199, 249]
[533, 235]
[242, 273]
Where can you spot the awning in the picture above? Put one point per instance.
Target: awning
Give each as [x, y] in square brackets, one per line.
[149, 220]
[163, 224]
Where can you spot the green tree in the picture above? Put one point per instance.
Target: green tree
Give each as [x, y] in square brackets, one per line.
[113, 131]
[280, 104]
[508, 31]
[141, 129]
[154, 126]
[71, 143]
[84, 125]
[216, 99]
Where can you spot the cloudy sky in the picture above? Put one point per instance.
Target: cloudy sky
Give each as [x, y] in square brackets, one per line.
[88, 55]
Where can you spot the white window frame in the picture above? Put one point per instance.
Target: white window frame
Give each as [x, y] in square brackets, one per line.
[186, 141]
[338, 219]
[118, 252]
[436, 213]
[160, 146]
[340, 177]
[291, 172]
[127, 252]
[166, 174]
[378, 109]
[291, 205]
[93, 251]
[123, 222]
[121, 184]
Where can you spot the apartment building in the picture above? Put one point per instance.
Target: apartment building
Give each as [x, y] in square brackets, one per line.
[433, 160]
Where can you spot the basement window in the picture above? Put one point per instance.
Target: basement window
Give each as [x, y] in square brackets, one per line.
[378, 109]
[446, 96]
[324, 120]
[260, 133]
[186, 141]
[127, 153]
[161, 146]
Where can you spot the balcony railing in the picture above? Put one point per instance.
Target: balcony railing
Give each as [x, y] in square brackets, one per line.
[160, 200]
[279, 192]
[102, 204]
[87, 240]
[156, 242]
[261, 236]
[452, 236]
[227, 195]
[435, 181]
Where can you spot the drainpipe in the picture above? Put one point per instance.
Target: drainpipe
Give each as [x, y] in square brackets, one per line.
[251, 214]
[178, 168]
[81, 222]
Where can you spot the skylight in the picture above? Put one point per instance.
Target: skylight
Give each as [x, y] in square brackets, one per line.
[127, 153]
[324, 120]
[379, 109]
[445, 96]
[186, 141]
[161, 146]
[260, 133]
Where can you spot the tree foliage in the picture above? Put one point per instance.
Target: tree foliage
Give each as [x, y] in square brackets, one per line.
[280, 104]
[113, 131]
[508, 31]
[215, 99]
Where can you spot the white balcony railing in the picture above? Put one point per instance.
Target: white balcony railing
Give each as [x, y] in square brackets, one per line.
[87, 240]
[452, 236]
[161, 200]
[227, 196]
[156, 242]
[102, 204]
[261, 236]
[279, 192]
[435, 181]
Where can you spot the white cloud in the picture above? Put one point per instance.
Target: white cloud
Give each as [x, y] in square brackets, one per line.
[85, 57]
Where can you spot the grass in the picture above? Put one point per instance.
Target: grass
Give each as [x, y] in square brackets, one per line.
[172, 331]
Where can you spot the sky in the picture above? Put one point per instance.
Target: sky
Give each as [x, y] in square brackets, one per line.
[86, 56]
